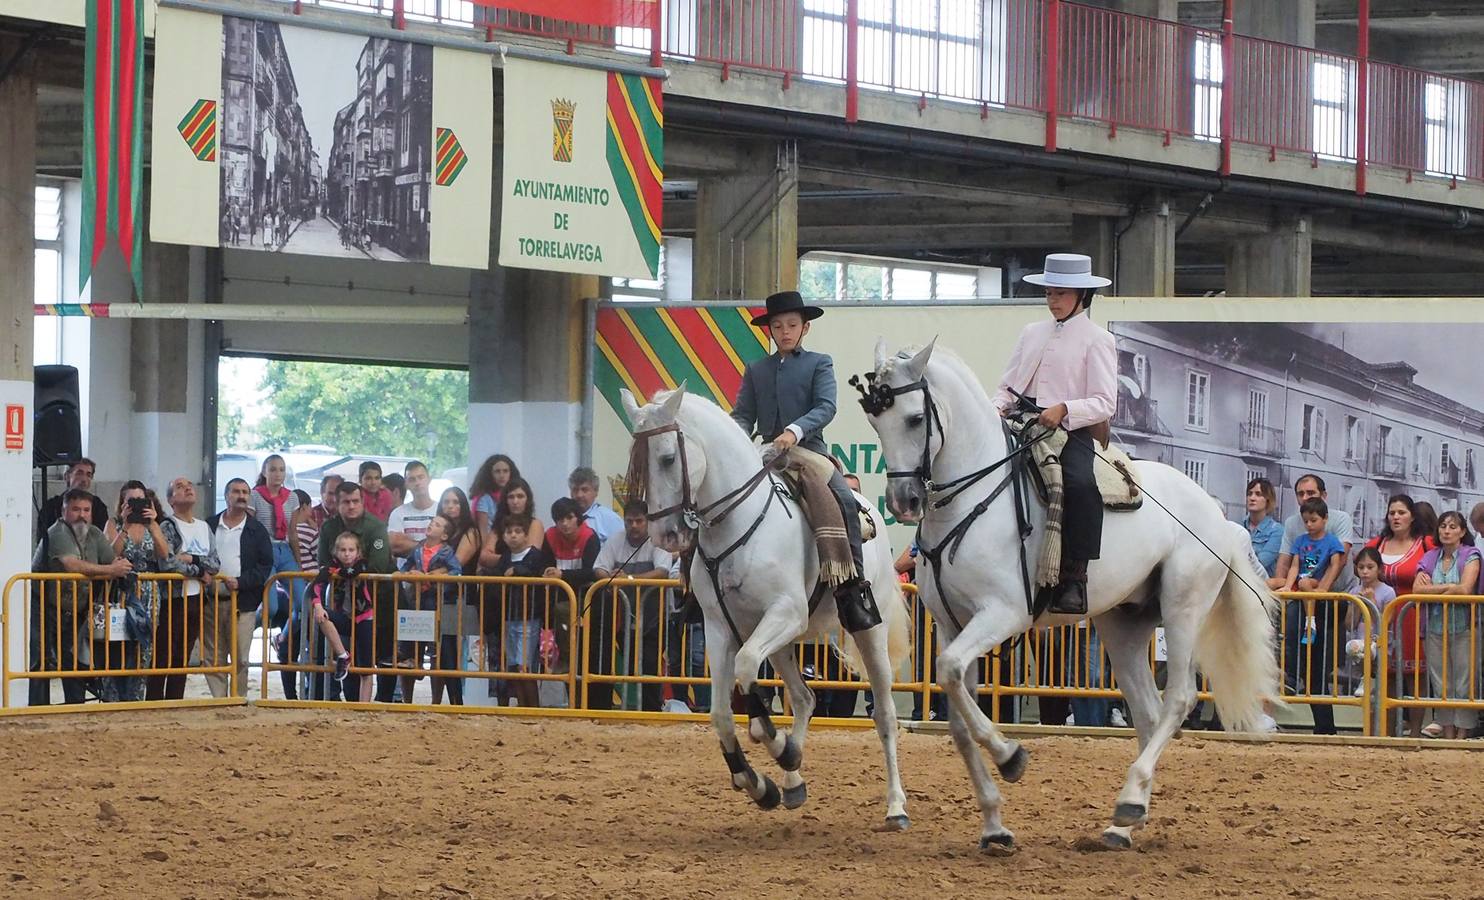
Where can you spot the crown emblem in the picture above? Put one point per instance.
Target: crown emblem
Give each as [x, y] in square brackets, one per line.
[563, 112]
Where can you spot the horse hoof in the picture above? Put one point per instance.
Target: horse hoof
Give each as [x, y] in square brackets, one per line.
[1001, 844]
[794, 797]
[792, 756]
[897, 823]
[771, 797]
[1117, 840]
[1013, 769]
[1128, 814]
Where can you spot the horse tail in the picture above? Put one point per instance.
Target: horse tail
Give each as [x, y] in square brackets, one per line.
[1235, 646]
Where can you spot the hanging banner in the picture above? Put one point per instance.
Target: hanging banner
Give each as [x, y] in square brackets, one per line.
[282, 139]
[584, 171]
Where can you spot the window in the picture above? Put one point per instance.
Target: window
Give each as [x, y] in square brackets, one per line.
[1141, 373]
[1316, 430]
[1197, 400]
[1257, 409]
[1334, 107]
[1354, 438]
[1445, 123]
[1470, 476]
[842, 277]
[1195, 470]
[1420, 456]
[1208, 76]
[944, 48]
[1443, 459]
[1253, 474]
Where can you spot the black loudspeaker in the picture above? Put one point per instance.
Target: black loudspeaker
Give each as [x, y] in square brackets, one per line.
[58, 427]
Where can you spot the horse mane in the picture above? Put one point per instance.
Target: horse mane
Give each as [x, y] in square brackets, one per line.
[693, 407]
[948, 359]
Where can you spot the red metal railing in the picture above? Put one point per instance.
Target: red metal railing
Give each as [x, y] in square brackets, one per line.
[1060, 58]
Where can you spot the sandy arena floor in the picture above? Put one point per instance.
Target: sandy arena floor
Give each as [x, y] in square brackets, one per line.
[234, 803]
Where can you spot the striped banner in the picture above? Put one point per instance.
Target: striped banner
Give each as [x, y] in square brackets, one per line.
[651, 349]
[113, 136]
[636, 156]
[450, 159]
[88, 310]
[199, 130]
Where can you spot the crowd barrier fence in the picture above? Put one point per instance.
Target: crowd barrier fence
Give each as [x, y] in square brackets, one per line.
[458, 630]
[635, 640]
[1423, 670]
[129, 639]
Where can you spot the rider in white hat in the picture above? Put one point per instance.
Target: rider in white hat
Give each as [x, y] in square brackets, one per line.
[1069, 367]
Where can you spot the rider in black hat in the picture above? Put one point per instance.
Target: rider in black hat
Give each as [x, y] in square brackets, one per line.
[788, 398]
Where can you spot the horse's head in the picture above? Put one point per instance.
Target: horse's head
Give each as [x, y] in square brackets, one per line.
[665, 470]
[897, 405]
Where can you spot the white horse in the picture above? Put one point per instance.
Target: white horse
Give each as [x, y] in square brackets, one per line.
[706, 487]
[940, 426]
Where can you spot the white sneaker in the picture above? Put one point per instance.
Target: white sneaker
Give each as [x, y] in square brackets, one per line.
[1070, 720]
[1266, 724]
[1116, 718]
[676, 706]
[1432, 730]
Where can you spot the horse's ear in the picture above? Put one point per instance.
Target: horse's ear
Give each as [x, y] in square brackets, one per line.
[671, 406]
[918, 364]
[882, 354]
[630, 405]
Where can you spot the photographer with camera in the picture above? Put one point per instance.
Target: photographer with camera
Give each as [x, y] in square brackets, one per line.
[133, 534]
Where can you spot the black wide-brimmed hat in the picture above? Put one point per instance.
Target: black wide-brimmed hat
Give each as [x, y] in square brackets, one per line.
[786, 302]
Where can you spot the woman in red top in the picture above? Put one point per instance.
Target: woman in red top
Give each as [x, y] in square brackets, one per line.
[1402, 544]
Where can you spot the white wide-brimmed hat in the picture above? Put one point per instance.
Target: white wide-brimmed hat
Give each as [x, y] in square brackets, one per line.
[1068, 270]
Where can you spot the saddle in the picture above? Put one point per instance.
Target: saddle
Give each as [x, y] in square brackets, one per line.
[792, 468]
[1113, 470]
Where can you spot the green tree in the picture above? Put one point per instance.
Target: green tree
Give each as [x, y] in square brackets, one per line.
[228, 423]
[381, 410]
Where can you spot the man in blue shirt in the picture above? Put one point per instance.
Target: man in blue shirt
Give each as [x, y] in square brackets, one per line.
[583, 484]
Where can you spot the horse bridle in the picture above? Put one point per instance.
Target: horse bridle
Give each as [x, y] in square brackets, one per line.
[694, 517]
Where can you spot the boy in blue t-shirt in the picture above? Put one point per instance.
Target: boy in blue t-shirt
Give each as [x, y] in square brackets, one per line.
[1317, 555]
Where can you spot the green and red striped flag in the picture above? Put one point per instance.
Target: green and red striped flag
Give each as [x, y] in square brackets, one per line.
[113, 136]
[450, 159]
[605, 13]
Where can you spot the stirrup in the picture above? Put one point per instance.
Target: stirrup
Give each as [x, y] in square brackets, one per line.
[1069, 598]
[856, 605]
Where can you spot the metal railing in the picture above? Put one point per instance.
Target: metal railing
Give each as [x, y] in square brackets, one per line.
[1430, 648]
[1261, 440]
[1059, 58]
[453, 629]
[126, 640]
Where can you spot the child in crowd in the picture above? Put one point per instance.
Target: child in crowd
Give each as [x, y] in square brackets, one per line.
[433, 555]
[342, 609]
[378, 500]
[1317, 555]
[572, 552]
[523, 612]
[1376, 594]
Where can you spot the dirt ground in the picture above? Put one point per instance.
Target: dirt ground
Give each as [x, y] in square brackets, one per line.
[237, 802]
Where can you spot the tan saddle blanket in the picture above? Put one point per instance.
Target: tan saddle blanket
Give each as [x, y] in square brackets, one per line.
[1114, 471]
[799, 461]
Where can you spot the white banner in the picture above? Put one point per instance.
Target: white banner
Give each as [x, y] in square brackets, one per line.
[417, 625]
[583, 171]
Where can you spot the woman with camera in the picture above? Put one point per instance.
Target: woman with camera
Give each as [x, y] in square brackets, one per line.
[135, 535]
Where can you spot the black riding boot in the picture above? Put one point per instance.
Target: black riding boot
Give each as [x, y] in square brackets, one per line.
[1070, 597]
[856, 605]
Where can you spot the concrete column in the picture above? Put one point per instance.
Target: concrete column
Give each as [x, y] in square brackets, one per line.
[164, 366]
[1277, 264]
[1093, 235]
[17, 293]
[527, 369]
[747, 229]
[1146, 253]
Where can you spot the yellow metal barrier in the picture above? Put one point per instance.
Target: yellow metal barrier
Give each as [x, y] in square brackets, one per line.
[636, 627]
[1067, 661]
[429, 625]
[1450, 657]
[79, 631]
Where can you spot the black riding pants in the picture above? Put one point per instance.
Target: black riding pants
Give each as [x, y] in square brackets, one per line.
[1082, 519]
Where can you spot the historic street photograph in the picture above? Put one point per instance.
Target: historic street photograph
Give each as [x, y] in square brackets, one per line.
[326, 142]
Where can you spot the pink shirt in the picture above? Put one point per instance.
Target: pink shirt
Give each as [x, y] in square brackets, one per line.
[1073, 362]
[379, 504]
